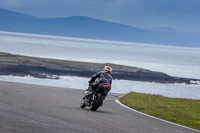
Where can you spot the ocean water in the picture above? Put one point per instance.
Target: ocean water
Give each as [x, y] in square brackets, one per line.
[175, 61]
[118, 86]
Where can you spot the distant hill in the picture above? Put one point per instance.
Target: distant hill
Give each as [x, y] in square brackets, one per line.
[49, 68]
[85, 27]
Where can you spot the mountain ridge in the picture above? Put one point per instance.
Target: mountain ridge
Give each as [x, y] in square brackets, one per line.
[91, 28]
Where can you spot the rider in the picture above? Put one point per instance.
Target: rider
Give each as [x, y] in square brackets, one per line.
[103, 77]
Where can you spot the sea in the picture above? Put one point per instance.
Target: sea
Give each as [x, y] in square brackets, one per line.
[172, 60]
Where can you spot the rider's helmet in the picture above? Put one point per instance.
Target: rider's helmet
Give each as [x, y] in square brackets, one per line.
[108, 68]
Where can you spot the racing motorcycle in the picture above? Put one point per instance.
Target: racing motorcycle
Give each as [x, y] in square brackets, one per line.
[96, 97]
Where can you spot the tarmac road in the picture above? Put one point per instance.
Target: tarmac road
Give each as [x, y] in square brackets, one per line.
[26, 108]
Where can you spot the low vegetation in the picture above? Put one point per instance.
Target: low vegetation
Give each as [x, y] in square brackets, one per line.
[181, 111]
[19, 65]
[19, 59]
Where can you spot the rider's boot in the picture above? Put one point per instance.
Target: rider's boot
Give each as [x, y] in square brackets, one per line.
[88, 92]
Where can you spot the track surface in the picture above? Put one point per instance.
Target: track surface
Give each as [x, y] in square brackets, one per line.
[28, 108]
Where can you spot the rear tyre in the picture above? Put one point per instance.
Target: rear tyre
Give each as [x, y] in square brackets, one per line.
[97, 103]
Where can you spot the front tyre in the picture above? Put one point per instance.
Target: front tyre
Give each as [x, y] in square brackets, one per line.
[82, 105]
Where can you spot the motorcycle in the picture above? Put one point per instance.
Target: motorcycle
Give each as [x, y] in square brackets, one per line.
[95, 99]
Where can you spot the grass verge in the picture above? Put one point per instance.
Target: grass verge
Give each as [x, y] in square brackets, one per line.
[181, 111]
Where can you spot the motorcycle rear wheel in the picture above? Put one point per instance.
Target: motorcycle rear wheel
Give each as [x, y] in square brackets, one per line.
[98, 102]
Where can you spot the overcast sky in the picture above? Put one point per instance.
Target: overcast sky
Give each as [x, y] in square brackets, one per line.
[179, 14]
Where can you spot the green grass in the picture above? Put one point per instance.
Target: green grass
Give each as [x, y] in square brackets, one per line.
[2, 53]
[6, 58]
[181, 111]
[19, 59]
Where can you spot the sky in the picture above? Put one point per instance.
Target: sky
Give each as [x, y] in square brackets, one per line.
[182, 15]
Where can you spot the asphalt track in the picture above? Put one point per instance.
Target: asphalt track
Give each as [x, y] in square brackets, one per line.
[26, 108]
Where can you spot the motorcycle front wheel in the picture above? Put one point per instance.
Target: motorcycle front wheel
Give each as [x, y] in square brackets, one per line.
[82, 105]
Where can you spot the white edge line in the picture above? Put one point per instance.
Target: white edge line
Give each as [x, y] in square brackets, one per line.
[117, 101]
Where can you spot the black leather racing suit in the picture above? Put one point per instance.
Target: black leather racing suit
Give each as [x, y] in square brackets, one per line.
[103, 77]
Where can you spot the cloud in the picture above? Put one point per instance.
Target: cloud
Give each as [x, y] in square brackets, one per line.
[174, 6]
[12, 3]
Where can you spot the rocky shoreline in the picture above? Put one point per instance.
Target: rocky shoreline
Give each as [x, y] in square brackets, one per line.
[55, 72]
[48, 68]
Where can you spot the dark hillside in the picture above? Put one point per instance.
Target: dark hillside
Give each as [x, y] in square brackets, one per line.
[44, 68]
